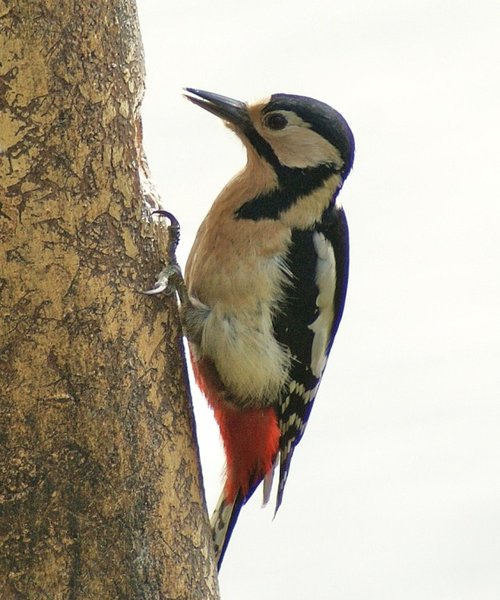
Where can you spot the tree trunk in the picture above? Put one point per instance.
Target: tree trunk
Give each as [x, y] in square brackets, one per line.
[100, 488]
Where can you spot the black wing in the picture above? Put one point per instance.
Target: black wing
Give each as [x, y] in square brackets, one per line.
[292, 325]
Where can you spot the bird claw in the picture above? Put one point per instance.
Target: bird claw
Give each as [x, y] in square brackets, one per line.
[167, 281]
[170, 278]
[165, 213]
[157, 289]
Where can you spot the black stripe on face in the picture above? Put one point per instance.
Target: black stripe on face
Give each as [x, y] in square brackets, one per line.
[293, 184]
[262, 147]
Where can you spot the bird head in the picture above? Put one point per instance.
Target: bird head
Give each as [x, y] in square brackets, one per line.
[290, 132]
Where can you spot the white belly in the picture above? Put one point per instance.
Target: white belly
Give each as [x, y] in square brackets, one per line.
[239, 338]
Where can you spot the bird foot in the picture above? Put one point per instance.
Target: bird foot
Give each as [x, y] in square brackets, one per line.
[170, 278]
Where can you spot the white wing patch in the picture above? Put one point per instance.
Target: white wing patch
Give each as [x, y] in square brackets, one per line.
[325, 280]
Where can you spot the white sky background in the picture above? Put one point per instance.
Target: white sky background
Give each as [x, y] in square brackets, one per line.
[394, 491]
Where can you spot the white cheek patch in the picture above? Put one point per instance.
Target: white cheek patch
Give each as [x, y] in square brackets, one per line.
[301, 147]
[325, 280]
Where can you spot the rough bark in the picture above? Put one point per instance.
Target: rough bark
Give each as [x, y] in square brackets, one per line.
[100, 488]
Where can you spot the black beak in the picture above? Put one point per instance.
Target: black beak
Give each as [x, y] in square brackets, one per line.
[232, 111]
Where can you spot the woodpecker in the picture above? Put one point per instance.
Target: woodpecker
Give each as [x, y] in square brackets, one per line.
[266, 282]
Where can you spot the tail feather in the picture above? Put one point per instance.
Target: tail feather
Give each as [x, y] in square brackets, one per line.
[223, 521]
[268, 482]
[226, 514]
[285, 460]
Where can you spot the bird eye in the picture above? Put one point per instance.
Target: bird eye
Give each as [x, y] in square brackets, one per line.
[276, 121]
